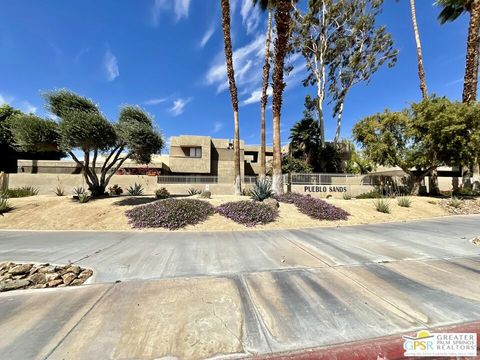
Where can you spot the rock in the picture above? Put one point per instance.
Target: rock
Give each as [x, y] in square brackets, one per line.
[74, 269]
[52, 276]
[38, 278]
[77, 282]
[85, 274]
[55, 283]
[271, 202]
[47, 269]
[68, 278]
[4, 266]
[6, 276]
[13, 285]
[62, 270]
[20, 269]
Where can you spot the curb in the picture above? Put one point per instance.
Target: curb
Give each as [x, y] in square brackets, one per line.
[384, 348]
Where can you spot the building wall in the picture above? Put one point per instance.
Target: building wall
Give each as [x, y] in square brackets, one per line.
[46, 183]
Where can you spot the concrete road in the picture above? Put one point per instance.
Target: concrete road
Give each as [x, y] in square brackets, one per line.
[230, 294]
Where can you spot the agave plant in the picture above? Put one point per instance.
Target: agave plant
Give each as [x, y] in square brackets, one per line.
[193, 191]
[78, 191]
[4, 205]
[382, 205]
[261, 190]
[84, 198]
[135, 190]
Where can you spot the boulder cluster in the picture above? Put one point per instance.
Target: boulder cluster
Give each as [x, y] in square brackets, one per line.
[38, 276]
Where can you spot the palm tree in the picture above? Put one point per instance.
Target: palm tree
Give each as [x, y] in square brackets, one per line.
[283, 10]
[263, 102]
[233, 93]
[421, 70]
[306, 140]
[451, 10]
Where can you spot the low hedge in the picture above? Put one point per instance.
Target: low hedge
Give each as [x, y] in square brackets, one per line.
[171, 214]
[314, 207]
[248, 213]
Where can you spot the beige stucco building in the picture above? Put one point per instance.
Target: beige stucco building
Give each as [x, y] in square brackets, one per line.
[188, 155]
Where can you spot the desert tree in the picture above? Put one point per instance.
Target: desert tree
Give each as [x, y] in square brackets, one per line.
[227, 39]
[82, 128]
[427, 135]
[359, 51]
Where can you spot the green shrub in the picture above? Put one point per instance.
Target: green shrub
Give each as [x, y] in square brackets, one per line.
[59, 190]
[466, 192]
[19, 192]
[404, 201]
[246, 192]
[4, 205]
[347, 196]
[162, 193]
[84, 198]
[193, 191]
[382, 205]
[78, 191]
[374, 194]
[261, 190]
[136, 190]
[115, 190]
[455, 202]
[206, 194]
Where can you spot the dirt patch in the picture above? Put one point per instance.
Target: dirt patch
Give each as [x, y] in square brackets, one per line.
[46, 212]
[15, 276]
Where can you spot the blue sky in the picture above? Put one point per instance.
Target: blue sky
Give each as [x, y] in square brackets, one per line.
[167, 56]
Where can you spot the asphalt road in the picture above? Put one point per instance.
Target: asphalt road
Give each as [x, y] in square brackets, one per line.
[199, 295]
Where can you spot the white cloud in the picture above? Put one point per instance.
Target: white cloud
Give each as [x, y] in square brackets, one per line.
[110, 64]
[28, 108]
[206, 37]
[217, 126]
[250, 16]
[155, 101]
[179, 8]
[3, 100]
[178, 106]
[256, 96]
[247, 61]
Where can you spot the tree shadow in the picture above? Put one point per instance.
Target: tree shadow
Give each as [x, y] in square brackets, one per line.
[134, 201]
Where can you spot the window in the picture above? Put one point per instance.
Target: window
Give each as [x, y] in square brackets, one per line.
[195, 152]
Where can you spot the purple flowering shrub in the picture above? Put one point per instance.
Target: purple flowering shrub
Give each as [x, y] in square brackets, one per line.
[248, 213]
[314, 207]
[289, 198]
[170, 213]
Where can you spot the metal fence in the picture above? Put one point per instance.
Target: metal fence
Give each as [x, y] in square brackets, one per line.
[200, 179]
[331, 179]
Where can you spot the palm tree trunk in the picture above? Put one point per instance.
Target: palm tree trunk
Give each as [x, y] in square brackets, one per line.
[233, 93]
[282, 20]
[266, 76]
[473, 44]
[421, 70]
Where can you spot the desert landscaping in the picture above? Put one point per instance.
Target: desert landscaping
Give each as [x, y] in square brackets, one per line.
[45, 212]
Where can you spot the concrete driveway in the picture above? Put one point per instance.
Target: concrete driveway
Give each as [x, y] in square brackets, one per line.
[231, 294]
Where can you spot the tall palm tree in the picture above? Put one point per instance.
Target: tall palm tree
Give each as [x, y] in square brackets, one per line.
[263, 101]
[451, 10]
[233, 93]
[421, 70]
[283, 19]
